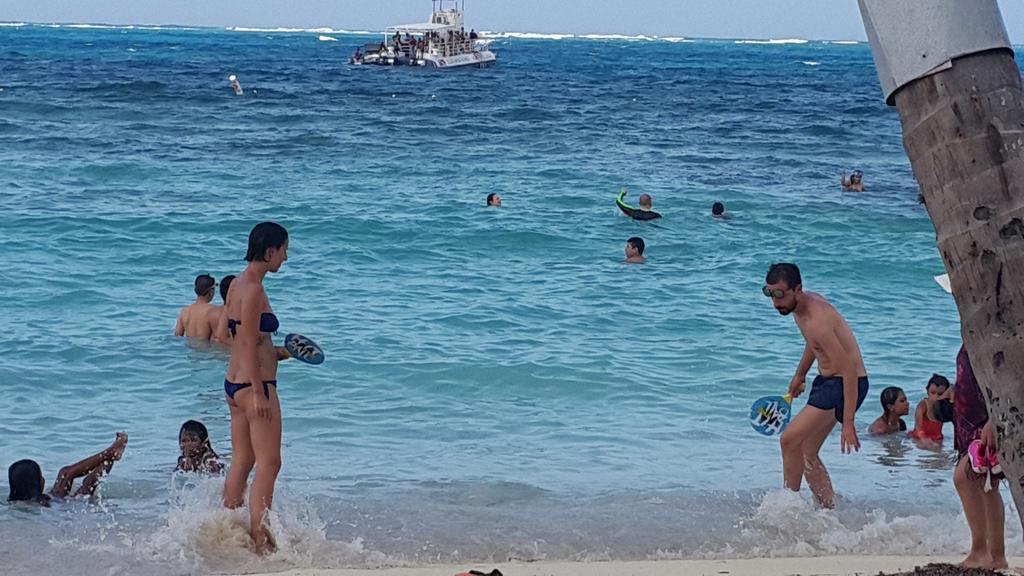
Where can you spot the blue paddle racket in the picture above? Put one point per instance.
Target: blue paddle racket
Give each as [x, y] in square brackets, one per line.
[770, 415]
[303, 349]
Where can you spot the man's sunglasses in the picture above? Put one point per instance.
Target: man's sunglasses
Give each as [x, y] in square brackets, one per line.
[776, 293]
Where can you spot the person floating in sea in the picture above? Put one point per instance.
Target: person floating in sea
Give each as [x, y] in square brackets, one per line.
[894, 407]
[836, 393]
[197, 453]
[718, 212]
[494, 200]
[927, 425]
[644, 212]
[635, 250]
[25, 477]
[235, 86]
[250, 385]
[855, 183]
[194, 319]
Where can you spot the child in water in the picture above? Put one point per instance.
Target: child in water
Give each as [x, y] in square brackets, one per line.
[894, 407]
[197, 454]
[25, 477]
[927, 425]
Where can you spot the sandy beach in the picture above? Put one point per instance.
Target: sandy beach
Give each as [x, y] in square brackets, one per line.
[820, 566]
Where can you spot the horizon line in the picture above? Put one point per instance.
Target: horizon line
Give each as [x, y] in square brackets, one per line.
[315, 29]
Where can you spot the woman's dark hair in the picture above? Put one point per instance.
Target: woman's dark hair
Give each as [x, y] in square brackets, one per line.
[264, 236]
[225, 283]
[937, 380]
[889, 397]
[717, 208]
[26, 481]
[490, 198]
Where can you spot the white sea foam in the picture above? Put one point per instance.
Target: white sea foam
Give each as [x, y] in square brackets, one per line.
[201, 532]
[529, 35]
[773, 41]
[841, 42]
[323, 38]
[100, 26]
[810, 62]
[296, 30]
[785, 524]
[675, 39]
[12, 24]
[615, 37]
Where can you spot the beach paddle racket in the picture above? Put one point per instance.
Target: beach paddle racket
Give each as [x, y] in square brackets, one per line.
[303, 349]
[770, 415]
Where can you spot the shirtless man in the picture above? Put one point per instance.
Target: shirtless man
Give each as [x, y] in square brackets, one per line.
[193, 320]
[635, 250]
[836, 393]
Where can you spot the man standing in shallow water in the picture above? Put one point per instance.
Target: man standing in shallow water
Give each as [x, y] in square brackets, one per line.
[836, 393]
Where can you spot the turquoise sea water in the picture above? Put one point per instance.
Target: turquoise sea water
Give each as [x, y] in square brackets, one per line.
[498, 384]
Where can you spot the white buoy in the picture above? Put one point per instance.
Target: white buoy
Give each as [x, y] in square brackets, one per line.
[235, 85]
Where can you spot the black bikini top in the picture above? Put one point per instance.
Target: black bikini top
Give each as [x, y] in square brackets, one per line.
[268, 323]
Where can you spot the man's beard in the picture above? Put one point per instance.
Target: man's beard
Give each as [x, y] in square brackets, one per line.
[784, 311]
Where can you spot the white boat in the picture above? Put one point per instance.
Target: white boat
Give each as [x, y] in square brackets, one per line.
[441, 43]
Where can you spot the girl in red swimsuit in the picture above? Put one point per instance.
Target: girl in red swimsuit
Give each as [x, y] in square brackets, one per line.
[926, 425]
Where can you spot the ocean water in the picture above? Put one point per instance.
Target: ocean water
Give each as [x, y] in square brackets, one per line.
[498, 384]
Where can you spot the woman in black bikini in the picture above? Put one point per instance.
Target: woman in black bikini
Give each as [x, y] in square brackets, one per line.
[251, 384]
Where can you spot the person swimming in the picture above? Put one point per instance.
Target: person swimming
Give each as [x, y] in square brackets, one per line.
[194, 319]
[855, 183]
[27, 483]
[635, 250]
[718, 212]
[894, 406]
[197, 453]
[494, 200]
[643, 213]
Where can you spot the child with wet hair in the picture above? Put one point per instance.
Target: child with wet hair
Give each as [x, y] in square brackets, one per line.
[894, 406]
[197, 453]
[27, 483]
[927, 425]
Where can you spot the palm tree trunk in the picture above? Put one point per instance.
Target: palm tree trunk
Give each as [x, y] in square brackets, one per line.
[963, 129]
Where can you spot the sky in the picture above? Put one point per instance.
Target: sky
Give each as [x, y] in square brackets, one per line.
[811, 19]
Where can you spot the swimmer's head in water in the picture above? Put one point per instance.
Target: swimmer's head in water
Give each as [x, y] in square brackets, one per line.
[26, 481]
[205, 285]
[634, 247]
[225, 284]
[193, 437]
[856, 177]
[717, 209]
[894, 401]
[268, 242]
[646, 202]
[784, 286]
[494, 200]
